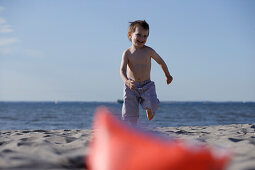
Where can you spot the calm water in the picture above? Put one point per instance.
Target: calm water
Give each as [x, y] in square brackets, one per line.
[79, 115]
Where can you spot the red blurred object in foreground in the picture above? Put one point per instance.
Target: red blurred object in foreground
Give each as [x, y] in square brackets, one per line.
[116, 146]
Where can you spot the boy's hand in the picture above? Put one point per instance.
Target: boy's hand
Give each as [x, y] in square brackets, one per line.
[169, 79]
[130, 84]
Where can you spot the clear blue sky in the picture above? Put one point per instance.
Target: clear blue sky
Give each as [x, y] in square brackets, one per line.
[71, 50]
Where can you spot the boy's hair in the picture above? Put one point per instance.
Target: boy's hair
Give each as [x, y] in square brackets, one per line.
[136, 23]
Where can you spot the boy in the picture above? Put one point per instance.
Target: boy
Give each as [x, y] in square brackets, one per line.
[135, 72]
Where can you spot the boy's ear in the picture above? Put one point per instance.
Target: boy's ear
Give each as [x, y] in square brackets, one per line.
[129, 35]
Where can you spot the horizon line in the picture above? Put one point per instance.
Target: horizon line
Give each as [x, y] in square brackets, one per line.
[97, 101]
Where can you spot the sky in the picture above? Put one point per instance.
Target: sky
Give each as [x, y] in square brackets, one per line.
[63, 50]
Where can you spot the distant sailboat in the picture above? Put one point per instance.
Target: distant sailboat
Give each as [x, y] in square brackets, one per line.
[120, 101]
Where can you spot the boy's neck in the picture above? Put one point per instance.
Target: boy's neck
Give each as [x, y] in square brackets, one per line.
[136, 48]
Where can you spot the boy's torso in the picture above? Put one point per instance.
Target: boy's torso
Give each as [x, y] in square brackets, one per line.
[139, 64]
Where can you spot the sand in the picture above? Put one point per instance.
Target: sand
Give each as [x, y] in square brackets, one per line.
[238, 138]
[66, 149]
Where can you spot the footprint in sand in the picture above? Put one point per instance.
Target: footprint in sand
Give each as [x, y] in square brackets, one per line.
[183, 132]
[2, 143]
[41, 131]
[70, 139]
[25, 144]
[235, 140]
[76, 162]
[7, 151]
[26, 141]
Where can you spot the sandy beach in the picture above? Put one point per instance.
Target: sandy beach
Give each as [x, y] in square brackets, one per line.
[66, 149]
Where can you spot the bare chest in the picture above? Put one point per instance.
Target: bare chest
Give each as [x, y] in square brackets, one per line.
[139, 59]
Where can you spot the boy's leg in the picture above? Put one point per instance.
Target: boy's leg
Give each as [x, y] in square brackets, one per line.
[150, 101]
[149, 113]
[130, 107]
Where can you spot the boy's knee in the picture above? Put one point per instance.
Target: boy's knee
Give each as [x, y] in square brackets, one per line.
[130, 111]
[151, 104]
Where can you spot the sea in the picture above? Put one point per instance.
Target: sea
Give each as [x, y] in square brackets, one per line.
[80, 115]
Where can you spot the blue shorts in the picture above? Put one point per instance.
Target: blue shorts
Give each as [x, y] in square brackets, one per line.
[144, 94]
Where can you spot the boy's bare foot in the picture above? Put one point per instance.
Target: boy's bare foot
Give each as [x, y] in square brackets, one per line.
[149, 113]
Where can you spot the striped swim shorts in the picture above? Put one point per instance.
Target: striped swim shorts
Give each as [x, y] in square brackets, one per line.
[144, 94]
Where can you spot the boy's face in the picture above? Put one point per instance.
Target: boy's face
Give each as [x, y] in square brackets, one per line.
[139, 37]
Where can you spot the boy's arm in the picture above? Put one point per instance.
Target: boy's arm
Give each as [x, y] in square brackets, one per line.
[123, 71]
[163, 65]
